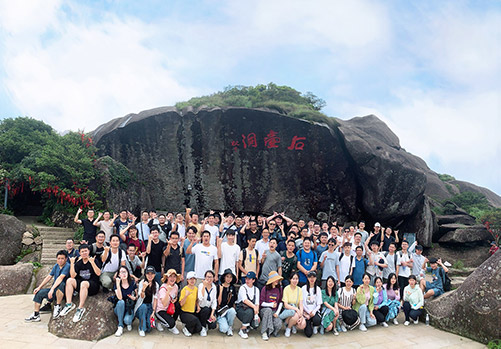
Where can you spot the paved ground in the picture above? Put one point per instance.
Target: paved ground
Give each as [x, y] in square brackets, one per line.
[15, 333]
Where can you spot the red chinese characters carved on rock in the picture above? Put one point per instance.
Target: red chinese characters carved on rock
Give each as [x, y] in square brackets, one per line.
[297, 143]
[272, 140]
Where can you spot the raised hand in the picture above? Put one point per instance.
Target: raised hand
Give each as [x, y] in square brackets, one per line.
[72, 260]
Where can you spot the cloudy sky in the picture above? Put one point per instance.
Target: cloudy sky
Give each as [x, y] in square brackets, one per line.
[430, 69]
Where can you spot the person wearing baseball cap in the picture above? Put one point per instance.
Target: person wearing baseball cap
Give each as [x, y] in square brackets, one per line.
[146, 301]
[188, 301]
[226, 309]
[248, 305]
[312, 302]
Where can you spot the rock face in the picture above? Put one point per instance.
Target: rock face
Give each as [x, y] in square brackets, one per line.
[15, 279]
[474, 309]
[250, 160]
[11, 235]
[475, 233]
[99, 321]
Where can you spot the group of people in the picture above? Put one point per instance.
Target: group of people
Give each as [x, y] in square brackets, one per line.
[269, 272]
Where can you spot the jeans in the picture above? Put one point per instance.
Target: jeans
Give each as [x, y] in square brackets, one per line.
[121, 315]
[286, 313]
[411, 313]
[365, 316]
[143, 314]
[44, 293]
[226, 322]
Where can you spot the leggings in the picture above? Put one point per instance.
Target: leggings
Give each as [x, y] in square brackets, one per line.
[310, 323]
[411, 313]
[204, 315]
[381, 313]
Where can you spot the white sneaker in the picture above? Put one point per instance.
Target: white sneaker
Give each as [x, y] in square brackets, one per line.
[67, 308]
[243, 334]
[384, 324]
[33, 318]
[395, 321]
[363, 328]
[287, 332]
[203, 332]
[119, 331]
[174, 330]
[406, 323]
[129, 328]
[230, 332]
[141, 333]
[315, 329]
[186, 332]
[78, 314]
[416, 321]
[294, 330]
[159, 327]
[343, 328]
[265, 336]
[56, 312]
[336, 333]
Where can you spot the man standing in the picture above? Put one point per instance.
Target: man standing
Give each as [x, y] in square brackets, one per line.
[210, 226]
[361, 230]
[405, 267]
[263, 244]
[307, 261]
[359, 265]
[191, 220]
[70, 248]
[164, 227]
[248, 259]
[228, 252]
[106, 225]
[155, 251]
[113, 257]
[329, 262]
[174, 255]
[89, 235]
[271, 261]
[143, 228]
[205, 256]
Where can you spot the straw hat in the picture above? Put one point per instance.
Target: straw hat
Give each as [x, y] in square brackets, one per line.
[169, 273]
[273, 276]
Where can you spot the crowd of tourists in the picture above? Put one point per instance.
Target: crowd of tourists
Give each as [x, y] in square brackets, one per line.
[271, 273]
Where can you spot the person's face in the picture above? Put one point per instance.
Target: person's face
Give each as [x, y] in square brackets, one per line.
[231, 238]
[169, 216]
[333, 230]
[312, 279]
[206, 238]
[209, 278]
[179, 218]
[279, 221]
[347, 232]
[405, 245]
[114, 242]
[217, 220]
[253, 225]
[412, 282]
[388, 231]
[266, 233]
[307, 244]
[211, 220]
[304, 233]
[366, 280]
[106, 216]
[194, 218]
[348, 283]
[150, 277]
[294, 229]
[252, 243]
[174, 239]
[294, 280]
[260, 220]
[272, 225]
[155, 234]
[228, 278]
[359, 252]
[357, 239]
[161, 219]
[361, 226]
[123, 274]
[191, 235]
[84, 253]
[330, 283]
[132, 233]
[123, 215]
[419, 252]
[376, 229]
[310, 224]
[238, 221]
[347, 249]
[352, 229]
[323, 239]
[374, 248]
[131, 251]
[331, 246]
[100, 238]
[145, 216]
[301, 223]
[325, 227]
[69, 245]
[393, 280]
[191, 281]
[249, 282]
[392, 248]
[291, 246]
[316, 228]
[379, 283]
[273, 245]
[433, 265]
[61, 260]
[172, 279]
[90, 214]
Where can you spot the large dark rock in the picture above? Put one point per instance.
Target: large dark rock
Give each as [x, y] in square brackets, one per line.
[15, 279]
[456, 218]
[11, 235]
[99, 320]
[474, 309]
[475, 233]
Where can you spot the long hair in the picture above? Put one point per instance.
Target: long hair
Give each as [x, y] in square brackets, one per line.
[129, 278]
[333, 290]
[389, 286]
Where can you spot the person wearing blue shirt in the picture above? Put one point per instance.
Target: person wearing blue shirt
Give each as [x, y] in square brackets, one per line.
[359, 265]
[59, 273]
[436, 287]
[307, 260]
[189, 259]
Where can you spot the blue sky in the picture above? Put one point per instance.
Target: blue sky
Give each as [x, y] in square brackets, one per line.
[431, 70]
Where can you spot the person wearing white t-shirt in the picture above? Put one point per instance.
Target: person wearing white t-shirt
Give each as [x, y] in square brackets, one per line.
[105, 225]
[179, 226]
[205, 255]
[263, 244]
[345, 262]
[210, 226]
[228, 252]
[113, 257]
[405, 267]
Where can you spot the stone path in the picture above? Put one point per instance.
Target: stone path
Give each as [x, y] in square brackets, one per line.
[15, 333]
[54, 239]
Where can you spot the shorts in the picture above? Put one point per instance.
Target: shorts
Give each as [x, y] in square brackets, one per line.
[93, 287]
[436, 291]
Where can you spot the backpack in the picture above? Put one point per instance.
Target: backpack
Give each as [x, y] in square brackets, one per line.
[351, 261]
[244, 256]
[446, 281]
[108, 259]
[394, 259]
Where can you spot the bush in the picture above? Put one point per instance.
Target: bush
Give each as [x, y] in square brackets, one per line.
[446, 177]
[78, 234]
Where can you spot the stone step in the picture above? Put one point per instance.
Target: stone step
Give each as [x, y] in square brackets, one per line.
[55, 229]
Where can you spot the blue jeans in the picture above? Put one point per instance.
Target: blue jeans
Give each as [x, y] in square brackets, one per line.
[143, 314]
[226, 322]
[44, 293]
[365, 316]
[121, 315]
[286, 313]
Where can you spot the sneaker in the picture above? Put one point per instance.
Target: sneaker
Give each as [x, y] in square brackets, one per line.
[174, 330]
[67, 308]
[363, 328]
[129, 328]
[287, 332]
[322, 330]
[395, 321]
[243, 334]
[315, 329]
[159, 327]
[265, 336]
[336, 333]
[56, 312]
[46, 308]
[78, 314]
[343, 328]
[384, 324]
[141, 333]
[203, 332]
[229, 332]
[119, 331]
[294, 330]
[416, 321]
[33, 318]
[186, 332]
[406, 323]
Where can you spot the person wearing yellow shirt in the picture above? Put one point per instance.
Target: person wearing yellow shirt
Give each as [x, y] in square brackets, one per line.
[188, 300]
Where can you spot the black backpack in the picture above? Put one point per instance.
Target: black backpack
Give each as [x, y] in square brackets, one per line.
[108, 259]
[446, 280]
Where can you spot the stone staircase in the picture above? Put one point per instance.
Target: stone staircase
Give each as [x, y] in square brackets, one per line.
[54, 239]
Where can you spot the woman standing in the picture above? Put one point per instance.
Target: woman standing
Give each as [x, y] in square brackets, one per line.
[166, 312]
[207, 303]
[393, 294]
[125, 291]
[248, 305]
[227, 295]
[312, 301]
[147, 301]
[380, 302]
[364, 304]
[271, 305]
[330, 310]
[413, 301]
[188, 300]
[293, 303]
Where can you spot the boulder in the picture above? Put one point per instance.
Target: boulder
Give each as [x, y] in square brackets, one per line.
[32, 257]
[15, 279]
[474, 309]
[28, 235]
[456, 218]
[63, 219]
[41, 273]
[471, 255]
[27, 241]
[475, 233]
[99, 320]
[11, 235]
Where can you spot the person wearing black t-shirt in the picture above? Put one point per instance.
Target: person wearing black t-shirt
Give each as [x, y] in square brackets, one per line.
[89, 235]
[174, 255]
[154, 251]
